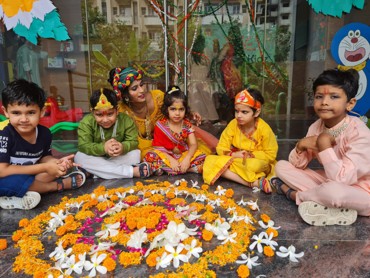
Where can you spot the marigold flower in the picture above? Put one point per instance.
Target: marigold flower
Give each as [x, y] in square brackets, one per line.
[229, 193]
[267, 250]
[139, 183]
[17, 235]
[126, 259]
[205, 187]
[61, 231]
[265, 218]
[243, 271]
[69, 218]
[110, 264]
[170, 195]
[39, 274]
[23, 222]
[131, 223]
[273, 231]
[3, 244]
[207, 235]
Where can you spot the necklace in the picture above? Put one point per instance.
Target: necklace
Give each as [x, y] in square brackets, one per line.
[147, 121]
[335, 132]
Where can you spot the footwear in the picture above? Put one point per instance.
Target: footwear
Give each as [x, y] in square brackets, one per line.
[28, 201]
[87, 174]
[319, 215]
[265, 185]
[277, 183]
[73, 175]
[144, 166]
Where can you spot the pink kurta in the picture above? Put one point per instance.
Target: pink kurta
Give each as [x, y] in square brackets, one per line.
[344, 180]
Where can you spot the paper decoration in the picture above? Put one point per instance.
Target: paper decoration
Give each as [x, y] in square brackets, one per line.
[335, 7]
[32, 19]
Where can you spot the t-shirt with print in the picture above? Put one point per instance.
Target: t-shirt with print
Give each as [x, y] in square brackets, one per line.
[15, 150]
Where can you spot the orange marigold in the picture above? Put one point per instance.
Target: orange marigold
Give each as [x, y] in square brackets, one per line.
[23, 222]
[229, 193]
[69, 218]
[272, 231]
[205, 186]
[3, 244]
[110, 264]
[39, 274]
[170, 195]
[207, 235]
[126, 258]
[61, 231]
[243, 271]
[139, 183]
[17, 235]
[265, 218]
[267, 250]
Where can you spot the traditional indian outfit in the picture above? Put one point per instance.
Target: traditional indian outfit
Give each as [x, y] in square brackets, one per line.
[261, 143]
[206, 141]
[344, 181]
[174, 144]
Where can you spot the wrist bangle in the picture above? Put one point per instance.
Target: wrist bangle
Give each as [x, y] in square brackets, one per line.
[231, 153]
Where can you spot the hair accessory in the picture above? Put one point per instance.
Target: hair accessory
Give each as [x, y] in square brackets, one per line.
[123, 77]
[103, 102]
[245, 98]
[173, 89]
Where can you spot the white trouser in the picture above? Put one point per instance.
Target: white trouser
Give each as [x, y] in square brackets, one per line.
[109, 168]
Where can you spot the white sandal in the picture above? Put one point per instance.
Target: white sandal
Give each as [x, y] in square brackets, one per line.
[28, 201]
[319, 215]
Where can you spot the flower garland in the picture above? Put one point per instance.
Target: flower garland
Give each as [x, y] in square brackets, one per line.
[162, 225]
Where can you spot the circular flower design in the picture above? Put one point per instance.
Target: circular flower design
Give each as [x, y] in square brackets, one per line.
[184, 229]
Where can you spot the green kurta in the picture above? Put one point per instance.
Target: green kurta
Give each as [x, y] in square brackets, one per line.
[91, 143]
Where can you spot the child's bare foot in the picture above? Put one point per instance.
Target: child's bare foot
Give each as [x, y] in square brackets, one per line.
[73, 181]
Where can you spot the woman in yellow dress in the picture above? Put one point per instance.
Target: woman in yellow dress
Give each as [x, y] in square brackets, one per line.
[145, 108]
[247, 148]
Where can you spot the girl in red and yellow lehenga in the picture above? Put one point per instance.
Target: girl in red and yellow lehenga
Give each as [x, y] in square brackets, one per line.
[247, 148]
[175, 149]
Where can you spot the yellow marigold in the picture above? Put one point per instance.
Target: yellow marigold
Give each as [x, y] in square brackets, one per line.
[17, 235]
[273, 231]
[126, 258]
[69, 218]
[157, 198]
[39, 274]
[110, 264]
[178, 201]
[114, 198]
[139, 183]
[3, 244]
[131, 223]
[147, 194]
[229, 193]
[132, 199]
[207, 235]
[267, 250]
[205, 186]
[166, 183]
[23, 222]
[141, 222]
[151, 260]
[61, 231]
[243, 271]
[170, 195]
[183, 184]
[81, 248]
[265, 218]
[84, 214]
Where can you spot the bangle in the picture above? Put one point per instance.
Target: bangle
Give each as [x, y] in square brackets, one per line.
[231, 153]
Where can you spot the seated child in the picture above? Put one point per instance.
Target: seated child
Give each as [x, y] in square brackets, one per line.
[27, 167]
[341, 143]
[107, 141]
[175, 148]
[247, 148]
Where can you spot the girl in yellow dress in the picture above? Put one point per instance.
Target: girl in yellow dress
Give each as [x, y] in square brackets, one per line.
[247, 148]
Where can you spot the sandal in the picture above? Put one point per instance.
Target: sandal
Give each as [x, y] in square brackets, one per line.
[73, 175]
[142, 167]
[265, 185]
[28, 201]
[277, 183]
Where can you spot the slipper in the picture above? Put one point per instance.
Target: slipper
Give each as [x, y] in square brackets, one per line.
[276, 183]
[87, 174]
[265, 185]
[318, 215]
[28, 201]
[73, 175]
[142, 169]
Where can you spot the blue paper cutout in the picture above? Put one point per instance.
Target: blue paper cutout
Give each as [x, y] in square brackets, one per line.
[335, 7]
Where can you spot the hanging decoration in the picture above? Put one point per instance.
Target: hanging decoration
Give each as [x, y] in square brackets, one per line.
[32, 19]
[335, 7]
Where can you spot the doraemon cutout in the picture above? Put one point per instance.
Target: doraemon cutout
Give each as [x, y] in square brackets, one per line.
[350, 48]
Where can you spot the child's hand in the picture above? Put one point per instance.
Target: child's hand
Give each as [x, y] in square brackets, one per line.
[184, 164]
[239, 154]
[67, 162]
[307, 143]
[175, 165]
[55, 169]
[116, 147]
[325, 141]
[197, 118]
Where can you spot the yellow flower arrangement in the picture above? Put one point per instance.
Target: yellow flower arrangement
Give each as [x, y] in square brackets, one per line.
[153, 224]
[3, 244]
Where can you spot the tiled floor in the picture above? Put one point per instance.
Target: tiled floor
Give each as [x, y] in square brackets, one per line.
[333, 251]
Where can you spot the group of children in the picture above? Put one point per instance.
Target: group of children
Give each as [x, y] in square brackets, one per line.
[246, 152]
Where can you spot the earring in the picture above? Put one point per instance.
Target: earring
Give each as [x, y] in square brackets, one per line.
[127, 99]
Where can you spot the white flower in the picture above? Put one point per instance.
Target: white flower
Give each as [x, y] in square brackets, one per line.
[177, 183]
[94, 265]
[290, 251]
[219, 229]
[56, 220]
[241, 202]
[175, 233]
[193, 216]
[258, 241]
[103, 198]
[102, 246]
[253, 205]
[270, 224]
[137, 238]
[75, 205]
[115, 209]
[194, 184]
[251, 262]
[247, 219]
[235, 217]
[220, 191]
[230, 209]
[269, 242]
[215, 203]
[163, 261]
[193, 250]
[109, 230]
[175, 255]
[199, 198]
[230, 238]
[60, 254]
[72, 266]
[256, 189]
